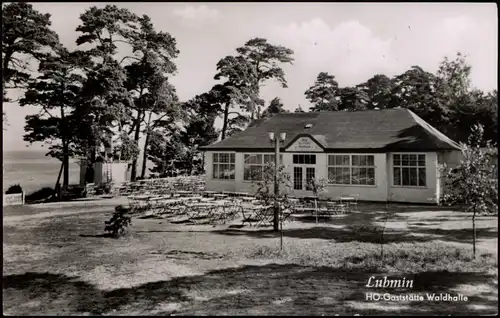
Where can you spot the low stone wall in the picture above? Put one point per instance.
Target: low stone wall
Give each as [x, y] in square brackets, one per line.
[13, 199]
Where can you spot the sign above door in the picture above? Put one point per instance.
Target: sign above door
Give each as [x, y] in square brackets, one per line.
[304, 144]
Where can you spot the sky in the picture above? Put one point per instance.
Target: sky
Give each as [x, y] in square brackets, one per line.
[352, 41]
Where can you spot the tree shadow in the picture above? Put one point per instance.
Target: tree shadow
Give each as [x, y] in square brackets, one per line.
[359, 217]
[341, 235]
[50, 293]
[104, 235]
[266, 290]
[457, 235]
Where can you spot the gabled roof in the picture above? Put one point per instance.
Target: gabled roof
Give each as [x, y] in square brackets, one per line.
[377, 130]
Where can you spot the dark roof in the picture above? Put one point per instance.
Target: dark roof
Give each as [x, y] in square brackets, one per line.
[386, 130]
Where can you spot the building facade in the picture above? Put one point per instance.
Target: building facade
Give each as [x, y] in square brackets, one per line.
[380, 155]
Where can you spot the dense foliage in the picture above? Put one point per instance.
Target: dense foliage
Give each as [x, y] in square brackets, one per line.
[446, 99]
[473, 184]
[14, 189]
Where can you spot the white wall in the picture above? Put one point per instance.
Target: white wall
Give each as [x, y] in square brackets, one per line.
[377, 192]
[118, 172]
[428, 194]
[236, 185]
[381, 191]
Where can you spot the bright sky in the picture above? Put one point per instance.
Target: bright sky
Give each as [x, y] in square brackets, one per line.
[352, 41]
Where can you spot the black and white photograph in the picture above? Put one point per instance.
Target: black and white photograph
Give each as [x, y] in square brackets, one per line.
[250, 158]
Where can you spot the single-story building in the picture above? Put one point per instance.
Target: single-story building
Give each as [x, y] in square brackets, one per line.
[380, 155]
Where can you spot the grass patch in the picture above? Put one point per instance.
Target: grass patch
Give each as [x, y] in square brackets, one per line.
[59, 262]
[397, 257]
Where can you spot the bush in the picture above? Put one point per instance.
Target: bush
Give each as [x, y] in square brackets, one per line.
[104, 188]
[14, 189]
[39, 195]
[118, 223]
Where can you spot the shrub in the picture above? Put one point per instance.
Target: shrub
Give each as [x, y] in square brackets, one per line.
[39, 195]
[104, 188]
[14, 189]
[118, 223]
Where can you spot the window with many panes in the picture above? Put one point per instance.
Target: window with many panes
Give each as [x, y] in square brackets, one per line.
[409, 170]
[351, 169]
[253, 165]
[223, 166]
[304, 159]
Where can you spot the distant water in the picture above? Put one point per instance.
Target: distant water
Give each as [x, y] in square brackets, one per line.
[33, 170]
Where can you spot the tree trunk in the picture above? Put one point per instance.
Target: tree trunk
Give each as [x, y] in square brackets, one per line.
[316, 209]
[57, 187]
[65, 146]
[66, 165]
[225, 121]
[6, 60]
[145, 152]
[133, 173]
[474, 234]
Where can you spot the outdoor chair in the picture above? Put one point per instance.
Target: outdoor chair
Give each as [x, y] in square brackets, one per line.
[299, 208]
[340, 207]
[199, 210]
[228, 211]
[265, 215]
[354, 203]
[285, 214]
[177, 208]
[322, 209]
[249, 212]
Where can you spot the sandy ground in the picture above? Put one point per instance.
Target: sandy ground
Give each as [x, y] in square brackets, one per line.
[57, 262]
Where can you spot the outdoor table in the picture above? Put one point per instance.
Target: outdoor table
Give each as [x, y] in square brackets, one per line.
[248, 199]
[196, 210]
[207, 200]
[241, 194]
[139, 197]
[347, 200]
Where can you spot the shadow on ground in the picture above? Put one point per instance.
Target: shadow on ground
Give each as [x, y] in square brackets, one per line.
[457, 235]
[248, 290]
[341, 235]
[104, 235]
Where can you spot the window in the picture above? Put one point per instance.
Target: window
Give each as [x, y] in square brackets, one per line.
[253, 165]
[223, 166]
[351, 169]
[409, 170]
[304, 159]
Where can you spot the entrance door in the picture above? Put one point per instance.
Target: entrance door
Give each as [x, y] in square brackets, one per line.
[303, 170]
[300, 179]
[310, 174]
